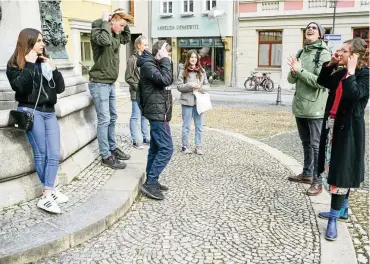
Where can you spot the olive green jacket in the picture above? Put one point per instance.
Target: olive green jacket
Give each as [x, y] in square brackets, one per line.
[105, 46]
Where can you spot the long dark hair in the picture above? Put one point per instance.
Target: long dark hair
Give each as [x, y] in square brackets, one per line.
[198, 68]
[26, 40]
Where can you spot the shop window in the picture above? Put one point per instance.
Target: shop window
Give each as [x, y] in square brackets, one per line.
[86, 54]
[188, 6]
[209, 4]
[362, 33]
[166, 7]
[270, 49]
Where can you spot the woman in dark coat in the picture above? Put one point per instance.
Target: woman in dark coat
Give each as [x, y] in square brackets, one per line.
[342, 144]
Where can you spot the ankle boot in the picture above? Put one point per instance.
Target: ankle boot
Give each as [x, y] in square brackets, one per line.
[331, 229]
[344, 210]
[343, 216]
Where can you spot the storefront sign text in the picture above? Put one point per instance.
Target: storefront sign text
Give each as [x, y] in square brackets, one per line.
[178, 27]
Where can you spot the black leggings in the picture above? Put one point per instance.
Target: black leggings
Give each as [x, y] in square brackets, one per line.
[337, 200]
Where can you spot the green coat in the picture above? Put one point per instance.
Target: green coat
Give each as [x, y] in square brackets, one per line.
[132, 74]
[310, 98]
[105, 46]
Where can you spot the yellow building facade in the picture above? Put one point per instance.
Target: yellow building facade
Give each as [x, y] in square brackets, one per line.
[77, 18]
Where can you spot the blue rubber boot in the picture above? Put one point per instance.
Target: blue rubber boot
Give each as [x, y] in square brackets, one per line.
[343, 217]
[331, 229]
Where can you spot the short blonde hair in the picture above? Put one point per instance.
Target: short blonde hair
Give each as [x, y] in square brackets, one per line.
[120, 13]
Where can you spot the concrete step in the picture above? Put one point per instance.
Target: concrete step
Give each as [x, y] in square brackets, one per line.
[83, 222]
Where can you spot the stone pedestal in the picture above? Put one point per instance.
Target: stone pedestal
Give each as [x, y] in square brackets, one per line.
[75, 110]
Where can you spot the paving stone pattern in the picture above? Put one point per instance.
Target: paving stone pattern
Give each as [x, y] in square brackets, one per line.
[25, 215]
[290, 144]
[226, 206]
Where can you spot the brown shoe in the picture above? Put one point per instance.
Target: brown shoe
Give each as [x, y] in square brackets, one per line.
[301, 178]
[315, 189]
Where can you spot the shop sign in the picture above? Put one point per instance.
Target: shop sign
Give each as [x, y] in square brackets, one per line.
[178, 27]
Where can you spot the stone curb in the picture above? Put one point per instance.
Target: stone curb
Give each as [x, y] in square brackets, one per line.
[339, 252]
[67, 230]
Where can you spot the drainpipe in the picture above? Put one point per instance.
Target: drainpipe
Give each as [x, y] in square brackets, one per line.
[235, 43]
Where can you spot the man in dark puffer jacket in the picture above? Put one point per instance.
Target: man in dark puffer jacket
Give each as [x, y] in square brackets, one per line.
[155, 101]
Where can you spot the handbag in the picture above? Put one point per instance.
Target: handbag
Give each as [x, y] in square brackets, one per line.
[24, 120]
[203, 102]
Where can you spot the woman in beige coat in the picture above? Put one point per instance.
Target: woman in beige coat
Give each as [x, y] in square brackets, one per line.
[192, 77]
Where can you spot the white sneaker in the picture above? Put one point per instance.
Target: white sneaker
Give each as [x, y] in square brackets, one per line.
[59, 197]
[48, 204]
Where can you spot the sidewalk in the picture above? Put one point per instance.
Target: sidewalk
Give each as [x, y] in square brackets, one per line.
[231, 205]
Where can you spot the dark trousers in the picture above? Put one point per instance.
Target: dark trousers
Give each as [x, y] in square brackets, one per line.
[309, 132]
[160, 150]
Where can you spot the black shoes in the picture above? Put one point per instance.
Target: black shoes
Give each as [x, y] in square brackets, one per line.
[113, 163]
[152, 191]
[119, 154]
[162, 187]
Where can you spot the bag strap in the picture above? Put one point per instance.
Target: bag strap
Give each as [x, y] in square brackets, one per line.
[38, 97]
[317, 59]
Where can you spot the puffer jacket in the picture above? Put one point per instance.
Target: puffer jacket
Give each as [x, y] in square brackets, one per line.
[310, 98]
[26, 84]
[154, 92]
[186, 86]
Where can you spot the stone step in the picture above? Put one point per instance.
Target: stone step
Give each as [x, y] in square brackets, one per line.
[58, 233]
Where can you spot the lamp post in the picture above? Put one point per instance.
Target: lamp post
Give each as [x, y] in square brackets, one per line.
[334, 14]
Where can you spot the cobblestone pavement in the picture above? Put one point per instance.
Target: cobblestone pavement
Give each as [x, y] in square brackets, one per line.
[86, 184]
[289, 143]
[223, 207]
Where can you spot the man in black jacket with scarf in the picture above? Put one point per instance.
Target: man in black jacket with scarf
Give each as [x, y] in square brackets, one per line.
[155, 101]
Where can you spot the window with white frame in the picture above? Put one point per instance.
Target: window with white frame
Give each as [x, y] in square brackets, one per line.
[188, 6]
[166, 7]
[210, 4]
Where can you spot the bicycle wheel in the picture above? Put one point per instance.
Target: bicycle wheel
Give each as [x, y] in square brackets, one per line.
[269, 86]
[250, 84]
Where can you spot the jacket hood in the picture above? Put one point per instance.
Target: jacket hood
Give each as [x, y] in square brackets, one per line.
[97, 23]
[146, 57]
[319, 44]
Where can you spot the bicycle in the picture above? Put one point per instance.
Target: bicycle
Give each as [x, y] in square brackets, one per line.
[254, 81]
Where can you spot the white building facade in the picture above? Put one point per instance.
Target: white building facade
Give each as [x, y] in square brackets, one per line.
[270, 31]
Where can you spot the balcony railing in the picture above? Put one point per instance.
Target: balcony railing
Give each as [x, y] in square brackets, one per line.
[365, 2]
[321, 3]
[270, 6]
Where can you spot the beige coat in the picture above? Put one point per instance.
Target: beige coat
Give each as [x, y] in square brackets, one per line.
[186, 86]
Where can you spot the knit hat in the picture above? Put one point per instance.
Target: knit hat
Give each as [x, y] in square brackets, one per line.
[320, 28]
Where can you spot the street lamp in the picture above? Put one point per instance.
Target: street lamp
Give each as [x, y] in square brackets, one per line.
[334, 2]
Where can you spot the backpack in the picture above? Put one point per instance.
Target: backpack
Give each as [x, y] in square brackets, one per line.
[316, 60]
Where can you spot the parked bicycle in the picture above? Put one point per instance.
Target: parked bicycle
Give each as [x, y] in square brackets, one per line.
[254, 81]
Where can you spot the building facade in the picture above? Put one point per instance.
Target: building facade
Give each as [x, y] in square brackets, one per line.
[270, 31]
[77, 18]
[185, 24]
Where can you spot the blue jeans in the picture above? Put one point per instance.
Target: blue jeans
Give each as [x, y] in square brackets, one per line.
[104, 97]
[135, 116]
[160, 151]
[45, 141]
[188, 113]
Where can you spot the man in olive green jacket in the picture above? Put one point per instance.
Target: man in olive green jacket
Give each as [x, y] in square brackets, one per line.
[309, 102]
[132, 77]
[106, 36]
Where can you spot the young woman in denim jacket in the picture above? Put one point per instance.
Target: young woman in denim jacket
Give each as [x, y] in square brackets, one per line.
[192, 77]
[30, 69]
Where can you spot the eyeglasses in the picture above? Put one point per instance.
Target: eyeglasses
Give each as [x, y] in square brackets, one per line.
[313, 27]
[343, 51]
